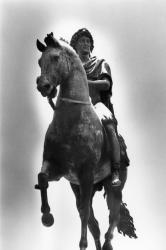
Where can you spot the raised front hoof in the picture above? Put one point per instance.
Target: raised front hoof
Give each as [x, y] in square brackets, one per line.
[47, 220]
[107, 246]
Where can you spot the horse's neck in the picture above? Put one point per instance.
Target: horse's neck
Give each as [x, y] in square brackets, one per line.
[76, 86]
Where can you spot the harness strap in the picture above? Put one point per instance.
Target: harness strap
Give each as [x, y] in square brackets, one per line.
[50, 101]
[74, 101]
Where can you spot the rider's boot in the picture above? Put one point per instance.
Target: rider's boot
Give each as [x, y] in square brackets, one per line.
[115, 154]
[115, 178]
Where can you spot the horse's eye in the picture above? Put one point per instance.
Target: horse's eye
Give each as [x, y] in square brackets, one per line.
[54, 58]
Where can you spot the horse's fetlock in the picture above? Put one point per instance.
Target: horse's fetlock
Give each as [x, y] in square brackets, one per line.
[45, 208]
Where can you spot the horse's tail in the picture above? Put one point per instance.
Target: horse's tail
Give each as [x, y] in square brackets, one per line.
[126, 224]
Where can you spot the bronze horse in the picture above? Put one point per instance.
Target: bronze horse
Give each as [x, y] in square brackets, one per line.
[74, 145]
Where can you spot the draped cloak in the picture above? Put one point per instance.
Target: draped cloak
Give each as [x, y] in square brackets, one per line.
[97, 69]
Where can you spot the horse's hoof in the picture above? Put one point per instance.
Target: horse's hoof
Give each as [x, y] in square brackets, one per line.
[107, 246]
[47, 220]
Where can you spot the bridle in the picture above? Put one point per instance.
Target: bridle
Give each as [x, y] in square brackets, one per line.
[50, 101]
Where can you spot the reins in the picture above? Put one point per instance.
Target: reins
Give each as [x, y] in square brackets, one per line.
[74, 101]
[50, 101]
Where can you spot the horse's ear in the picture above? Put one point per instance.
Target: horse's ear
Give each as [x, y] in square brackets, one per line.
[50, 40]
[41, 47]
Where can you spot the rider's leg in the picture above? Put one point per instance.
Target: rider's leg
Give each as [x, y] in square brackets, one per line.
[107, 119]
[115, 151]
[123, 148]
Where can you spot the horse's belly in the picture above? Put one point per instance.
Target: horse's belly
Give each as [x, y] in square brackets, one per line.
[99, 174]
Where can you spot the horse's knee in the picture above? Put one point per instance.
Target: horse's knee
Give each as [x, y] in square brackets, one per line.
[45, 167]
[51, 171]
[84, 212]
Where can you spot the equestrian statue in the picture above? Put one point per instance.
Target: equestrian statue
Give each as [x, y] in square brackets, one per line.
[76, 145]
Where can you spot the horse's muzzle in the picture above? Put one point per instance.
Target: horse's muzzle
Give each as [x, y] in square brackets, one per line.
[45, 88]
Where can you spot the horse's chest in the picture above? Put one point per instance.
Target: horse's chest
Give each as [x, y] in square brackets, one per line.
[75, 137]
[77, 127]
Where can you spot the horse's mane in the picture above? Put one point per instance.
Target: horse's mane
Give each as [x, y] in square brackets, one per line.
[70, 51]
[64, 40]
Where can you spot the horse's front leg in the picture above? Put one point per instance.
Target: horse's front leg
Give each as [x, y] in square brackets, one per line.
[47, 218]
[86, 187]
[92, 222]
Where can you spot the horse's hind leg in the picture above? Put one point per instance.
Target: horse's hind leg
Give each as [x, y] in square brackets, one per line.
[114, 197]
[47, 218]
[92, 222]
[94, 228]
[86, 187]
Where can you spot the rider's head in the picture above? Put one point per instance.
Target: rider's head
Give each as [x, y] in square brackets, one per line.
[81, 38]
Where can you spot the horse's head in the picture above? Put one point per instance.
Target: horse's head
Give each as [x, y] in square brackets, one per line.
[54, 64]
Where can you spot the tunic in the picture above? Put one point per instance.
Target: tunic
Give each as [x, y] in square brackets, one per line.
[97, 69]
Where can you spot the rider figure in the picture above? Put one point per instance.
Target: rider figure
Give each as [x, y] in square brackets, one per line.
[100, 90]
